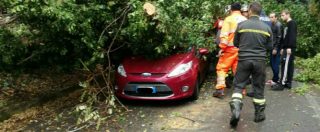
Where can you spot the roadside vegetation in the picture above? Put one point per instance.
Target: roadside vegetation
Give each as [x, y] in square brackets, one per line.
[308, 72]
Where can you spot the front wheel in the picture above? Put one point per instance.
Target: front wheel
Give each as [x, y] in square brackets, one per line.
[196, 91]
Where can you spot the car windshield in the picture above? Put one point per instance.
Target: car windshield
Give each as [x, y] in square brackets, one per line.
[181, 49]
[177, 49]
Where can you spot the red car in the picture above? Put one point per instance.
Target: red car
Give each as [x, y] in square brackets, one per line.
[175, 77]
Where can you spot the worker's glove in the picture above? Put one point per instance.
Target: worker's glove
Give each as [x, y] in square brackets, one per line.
[220, 53]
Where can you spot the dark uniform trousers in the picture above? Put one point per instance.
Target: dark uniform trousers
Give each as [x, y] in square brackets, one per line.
[255, 68]
[290, 68]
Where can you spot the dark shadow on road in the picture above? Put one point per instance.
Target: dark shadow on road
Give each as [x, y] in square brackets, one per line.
[158, 103]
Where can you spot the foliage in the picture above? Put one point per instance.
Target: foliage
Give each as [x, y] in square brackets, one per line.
[177, 23]
[302, 89]
[11, 46]
[315, 7]
[98, 92]
[308, 25]
[62, 32]
[65, 31]
[310, 71]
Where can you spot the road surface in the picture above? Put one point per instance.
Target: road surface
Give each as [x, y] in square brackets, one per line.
[286, 111]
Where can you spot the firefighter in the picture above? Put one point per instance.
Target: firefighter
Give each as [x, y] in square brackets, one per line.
[228, 54]
[275, 53]
[244, 11]
[253, 37]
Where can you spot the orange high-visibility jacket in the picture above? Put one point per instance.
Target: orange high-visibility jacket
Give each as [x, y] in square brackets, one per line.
[228, 29]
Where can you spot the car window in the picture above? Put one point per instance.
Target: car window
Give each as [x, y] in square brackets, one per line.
[182, 49]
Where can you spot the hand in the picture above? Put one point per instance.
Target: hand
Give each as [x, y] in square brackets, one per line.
[274, 52]
[289, 51]
[281, 51]
[220, 53]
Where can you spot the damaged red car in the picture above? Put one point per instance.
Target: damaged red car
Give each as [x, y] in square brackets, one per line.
[174, 77]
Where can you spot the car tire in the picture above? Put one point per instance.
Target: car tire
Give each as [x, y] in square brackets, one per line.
[196, 91]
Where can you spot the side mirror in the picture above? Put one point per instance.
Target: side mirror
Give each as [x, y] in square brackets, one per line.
[203, 51]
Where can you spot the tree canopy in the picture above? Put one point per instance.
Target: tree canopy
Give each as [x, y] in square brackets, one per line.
[62, 32]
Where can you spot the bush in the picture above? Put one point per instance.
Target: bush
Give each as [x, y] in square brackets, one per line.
[310, 71]
[10, 47]
[62, 32]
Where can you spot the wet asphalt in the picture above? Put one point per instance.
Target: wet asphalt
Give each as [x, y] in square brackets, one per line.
[286, 111]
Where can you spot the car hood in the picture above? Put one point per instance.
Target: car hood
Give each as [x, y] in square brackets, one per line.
[163, 65]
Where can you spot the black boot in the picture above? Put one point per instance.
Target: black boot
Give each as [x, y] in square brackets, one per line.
[277, 87]
[259, 112]
[288, 86]
[236, 106]
[218, 94]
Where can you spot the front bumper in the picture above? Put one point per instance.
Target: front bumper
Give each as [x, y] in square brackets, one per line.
[160, 87]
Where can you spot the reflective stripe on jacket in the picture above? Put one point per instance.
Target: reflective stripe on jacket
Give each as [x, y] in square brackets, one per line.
[253, 37]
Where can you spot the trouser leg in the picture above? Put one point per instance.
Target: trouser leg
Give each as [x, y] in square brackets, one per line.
[287, 68]
[290, 70]
[282, 62]
[240, 80]
[275, 62]
[259, 76]
[284, 69]
[258, 79]
[272, 61]
[242, 76]
[226, 61]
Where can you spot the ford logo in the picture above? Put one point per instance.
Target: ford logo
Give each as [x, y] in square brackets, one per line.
[146, 74]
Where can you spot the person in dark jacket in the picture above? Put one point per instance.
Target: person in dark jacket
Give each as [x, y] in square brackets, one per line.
[287, 51]
[275, 53]
[263, 17]
[253, 37]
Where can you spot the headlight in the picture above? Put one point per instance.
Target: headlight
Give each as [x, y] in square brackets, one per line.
[182, 68]
[121, 71]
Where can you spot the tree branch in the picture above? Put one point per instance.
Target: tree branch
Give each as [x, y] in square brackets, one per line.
[26, 59]
[3, 21]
